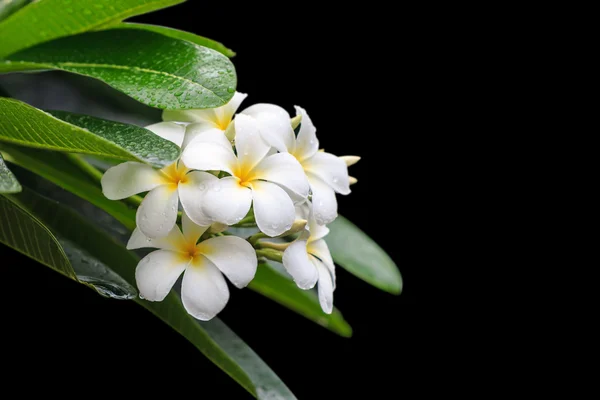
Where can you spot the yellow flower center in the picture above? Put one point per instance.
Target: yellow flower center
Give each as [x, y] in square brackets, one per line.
[175, 174]
[244, 174]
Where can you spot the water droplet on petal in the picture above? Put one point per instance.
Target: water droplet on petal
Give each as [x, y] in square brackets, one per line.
[336, 179]
[274, 226]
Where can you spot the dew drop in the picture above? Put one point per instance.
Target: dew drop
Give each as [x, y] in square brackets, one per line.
[274, 226]
[230, 90]
[217, 188]
[312, 141]
[336, 179]
[202, 186]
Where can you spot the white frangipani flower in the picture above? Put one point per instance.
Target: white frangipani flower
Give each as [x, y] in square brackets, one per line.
[326, 172]
[204, 291]
[215, 119]
[269, 181]
[309, 261]
[157, 214]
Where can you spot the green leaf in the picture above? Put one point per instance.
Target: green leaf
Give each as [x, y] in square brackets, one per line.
[354, 251]
[213, 339]
[56, 168]
[154, 69]
[61, 131]
[267, 385]
[270, 283]
[177, 34]
[23, 231]
[8, 182]
[51, 19]
[9, 7]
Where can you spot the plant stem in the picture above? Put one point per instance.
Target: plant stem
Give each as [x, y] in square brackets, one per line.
[83, 165]
[254, 238]
[273, 255]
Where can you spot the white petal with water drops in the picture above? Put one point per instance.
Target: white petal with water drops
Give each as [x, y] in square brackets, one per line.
[129, 178]
[234, 256]
[157, 214]
[156, 274]
[273, 208]
[204, 292]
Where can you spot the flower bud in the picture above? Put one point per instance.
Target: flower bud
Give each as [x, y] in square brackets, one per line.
[350, 160]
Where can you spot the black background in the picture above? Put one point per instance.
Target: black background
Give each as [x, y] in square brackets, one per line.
[340, 69]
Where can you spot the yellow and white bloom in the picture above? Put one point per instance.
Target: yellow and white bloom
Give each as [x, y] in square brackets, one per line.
[309, 261]
[326, 172]
[157, 214]
[204, 291]
[270, 182]
[213, 119]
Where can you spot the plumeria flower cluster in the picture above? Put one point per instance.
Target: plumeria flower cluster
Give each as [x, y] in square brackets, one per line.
[248, 168]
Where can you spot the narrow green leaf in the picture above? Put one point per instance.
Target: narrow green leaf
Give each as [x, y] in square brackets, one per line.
[58, 170]
[157, 70]
[23, 230]
[177, 34]
[213, 339]
[51, 19]
[267, 385]
[9, 7]
[62, 131]
[270, 283]
[8, 182]
[26, 234]
[356, 252]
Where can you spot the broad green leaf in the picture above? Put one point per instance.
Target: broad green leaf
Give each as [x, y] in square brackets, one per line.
[270, 283]
[51, 19]
[154, 69]
[61, 131]
[23, 231]
[56, 168]
[177, 34]
[8, 182]
[354, 251]
[9, 7]
[213, 339]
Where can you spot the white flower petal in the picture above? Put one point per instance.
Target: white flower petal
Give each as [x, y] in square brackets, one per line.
[207, 115]
[285, 170]
[231, 107]
[157, 214]
[324, 203]
[129, 178]
[319, 249]
[191, 195]
[192, 131]
[251, 148]
[299, 266]
[325, 287]
[170, 131]
[209, 156]
[226, 201]
[173, 241]
[273, 208]
[275, 125]
[191, 230]
[316, 231]
[330, 169]
[156, 273]
[204, 291]
[306, 142]
[234, 256]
